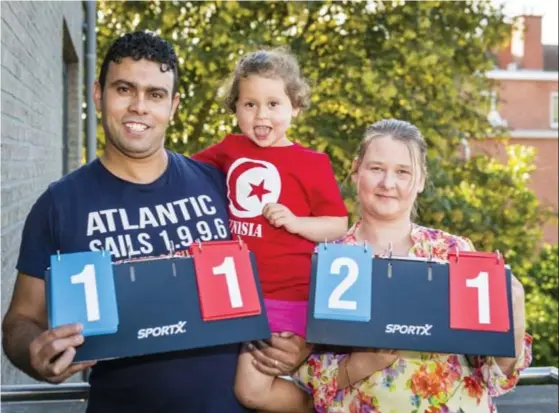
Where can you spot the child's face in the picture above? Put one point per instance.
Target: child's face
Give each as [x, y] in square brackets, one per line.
[264, 111]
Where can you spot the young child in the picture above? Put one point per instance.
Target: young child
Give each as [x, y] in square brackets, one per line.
[283, 199]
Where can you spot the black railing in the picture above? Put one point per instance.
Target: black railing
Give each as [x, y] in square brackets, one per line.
[80, 391]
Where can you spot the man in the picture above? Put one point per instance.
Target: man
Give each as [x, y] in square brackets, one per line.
[95, 207]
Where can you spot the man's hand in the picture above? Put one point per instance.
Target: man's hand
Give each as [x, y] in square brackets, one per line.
[52, 352]
[280, 216]
[281, 356]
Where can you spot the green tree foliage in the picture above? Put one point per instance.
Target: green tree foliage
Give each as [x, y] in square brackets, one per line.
[418, 61]
[541, 285]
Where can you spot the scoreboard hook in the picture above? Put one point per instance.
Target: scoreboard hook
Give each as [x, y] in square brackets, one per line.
[389, 253]
[499, 256]
[171, 256]
[429, 272]
[132, 271]
[199, 245]
[58, 254]
[240, 242]
[429, 263]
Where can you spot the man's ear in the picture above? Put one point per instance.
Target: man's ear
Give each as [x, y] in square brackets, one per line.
[97, 95]
[175, 104]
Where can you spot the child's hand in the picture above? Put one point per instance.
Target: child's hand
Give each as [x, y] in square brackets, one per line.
[280, 216]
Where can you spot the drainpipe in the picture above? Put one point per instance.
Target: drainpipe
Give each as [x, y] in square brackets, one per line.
[90, 59]
[90, 47]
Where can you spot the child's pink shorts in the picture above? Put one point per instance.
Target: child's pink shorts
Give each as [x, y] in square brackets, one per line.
[290, 316]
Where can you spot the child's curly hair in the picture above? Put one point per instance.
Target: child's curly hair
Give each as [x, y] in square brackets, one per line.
[276, 63]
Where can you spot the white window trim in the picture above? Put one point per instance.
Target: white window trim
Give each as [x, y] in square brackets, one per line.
[522, 74]
[534, 134]
[553, 124]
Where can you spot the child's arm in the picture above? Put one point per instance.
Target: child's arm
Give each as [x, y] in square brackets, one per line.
[320, 229]
[316, 229]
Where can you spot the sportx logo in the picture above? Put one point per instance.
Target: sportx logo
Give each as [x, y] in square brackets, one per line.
[169, 330]
[407, 329]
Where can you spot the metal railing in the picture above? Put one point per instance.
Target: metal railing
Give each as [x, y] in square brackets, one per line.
[80, 391]
[44, 392]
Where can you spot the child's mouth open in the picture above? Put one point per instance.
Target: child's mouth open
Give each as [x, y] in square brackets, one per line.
[262, 132]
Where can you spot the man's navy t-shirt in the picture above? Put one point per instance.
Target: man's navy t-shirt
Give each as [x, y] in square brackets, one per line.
[91, 209]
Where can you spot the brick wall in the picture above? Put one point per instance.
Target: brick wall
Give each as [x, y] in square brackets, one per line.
[38, 40]
[525, 104]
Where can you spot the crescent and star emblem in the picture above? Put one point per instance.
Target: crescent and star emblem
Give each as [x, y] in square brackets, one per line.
[251, 184]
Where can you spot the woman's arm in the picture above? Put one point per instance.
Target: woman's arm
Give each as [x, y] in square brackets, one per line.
[361, 364]
[508, 364]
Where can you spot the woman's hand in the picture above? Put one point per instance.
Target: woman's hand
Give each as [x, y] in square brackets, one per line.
[362, 363]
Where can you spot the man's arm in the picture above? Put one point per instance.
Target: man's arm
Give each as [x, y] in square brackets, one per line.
[25, 320]
[41, 353]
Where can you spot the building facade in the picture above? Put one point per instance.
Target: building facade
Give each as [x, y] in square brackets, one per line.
[42, 88]
[525, 101]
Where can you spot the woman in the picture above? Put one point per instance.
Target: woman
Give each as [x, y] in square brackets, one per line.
[389, 172]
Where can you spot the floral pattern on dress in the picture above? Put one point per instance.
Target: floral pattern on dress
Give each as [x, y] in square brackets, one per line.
[417, 382]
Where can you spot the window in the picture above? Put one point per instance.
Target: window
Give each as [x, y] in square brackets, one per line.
[554, 109]
[493, 115]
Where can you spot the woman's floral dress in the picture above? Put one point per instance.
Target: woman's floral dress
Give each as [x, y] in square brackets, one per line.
[417, 382]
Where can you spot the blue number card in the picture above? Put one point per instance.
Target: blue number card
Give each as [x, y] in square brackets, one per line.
[343, 282]
[80, 288]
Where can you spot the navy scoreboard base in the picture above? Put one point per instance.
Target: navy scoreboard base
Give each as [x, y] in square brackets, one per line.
[463, 306]
[162, 305]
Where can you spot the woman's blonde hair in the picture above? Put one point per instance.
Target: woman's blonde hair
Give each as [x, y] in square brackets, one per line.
[399, 130]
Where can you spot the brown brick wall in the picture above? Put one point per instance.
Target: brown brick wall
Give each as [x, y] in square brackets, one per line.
[533, 49]
[525, 104]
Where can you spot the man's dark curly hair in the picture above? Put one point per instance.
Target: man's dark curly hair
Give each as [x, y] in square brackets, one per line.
[142, 45]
